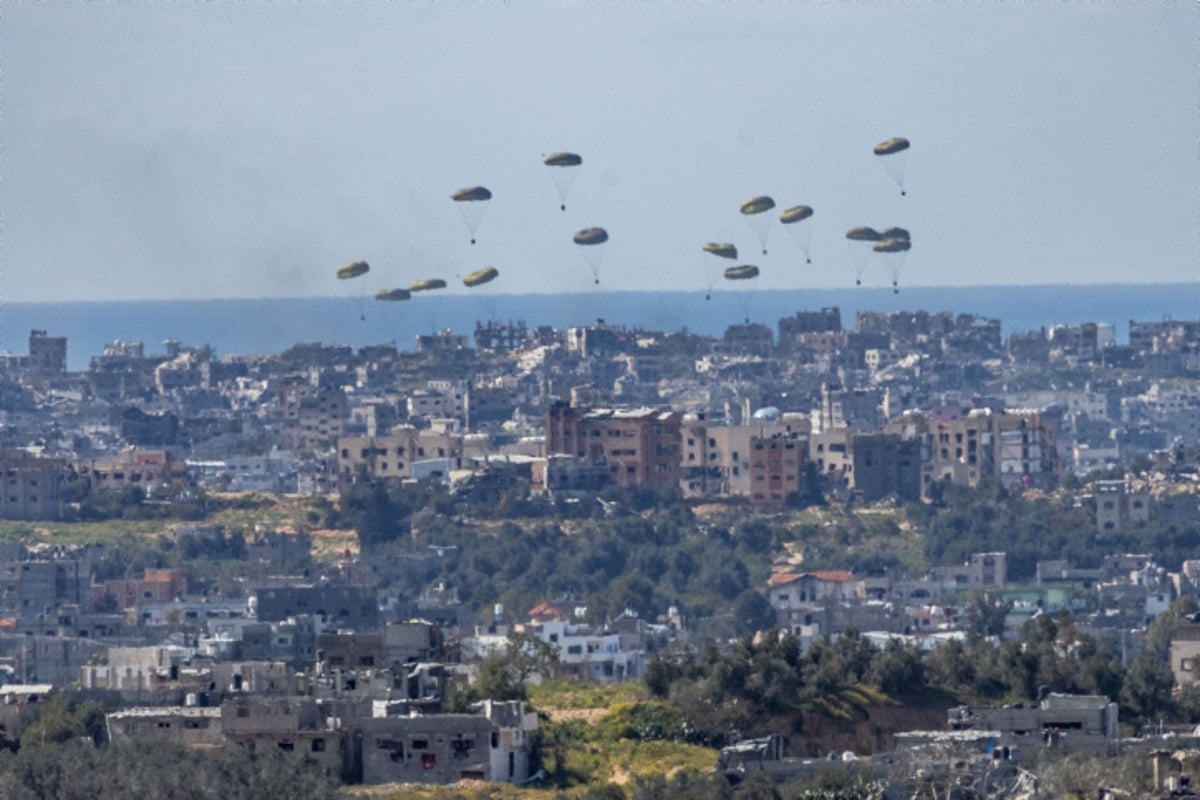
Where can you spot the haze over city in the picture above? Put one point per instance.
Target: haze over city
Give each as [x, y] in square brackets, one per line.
[167, 151]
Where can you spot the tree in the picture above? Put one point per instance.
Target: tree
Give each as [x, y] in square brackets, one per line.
[504, 673]
[753, 612]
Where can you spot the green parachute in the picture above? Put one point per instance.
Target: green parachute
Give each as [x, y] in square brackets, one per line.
[711, 274]
[742, 273]
[754, 210]
[858, 242]
[893, 153]
[893, 252]
[392, 295]
[471, 203]
[796, 220]
[427, 284]
[481, 276]
[592, 241]
[353, 270]
[562, 168]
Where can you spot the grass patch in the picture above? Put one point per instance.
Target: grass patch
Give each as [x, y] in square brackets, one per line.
[560, 695]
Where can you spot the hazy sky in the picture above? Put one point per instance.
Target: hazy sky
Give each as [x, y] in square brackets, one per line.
[246, 149]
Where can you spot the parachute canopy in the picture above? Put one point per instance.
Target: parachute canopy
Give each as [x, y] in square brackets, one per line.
[427, 284]
[863, 234]
[481, 276]
[795, 214]
[895, 144]
[562, 172]
[392, 295]
[892, 246]
[589, 236]
[894, 233]
[353, 270]
[741, 273]
[471, 193]
[893, 156]
[563, 160]
[722, 249]
[757, 205]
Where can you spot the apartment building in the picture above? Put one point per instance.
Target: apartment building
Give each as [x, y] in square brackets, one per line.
[640, 446]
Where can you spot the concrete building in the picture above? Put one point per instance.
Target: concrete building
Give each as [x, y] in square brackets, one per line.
[776, 471]
[1017, 447]
[1077, 723]
[885, 464]
[191, 726]
[47, 354]
[1119, 505]
[391, 457]
[341, 605]
[493, 745]
[640, 446]
[798, 597]
[716, 458]
[32, 487]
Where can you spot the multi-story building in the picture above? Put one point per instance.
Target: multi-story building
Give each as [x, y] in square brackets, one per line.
[776, 470]
[349, 607]
[885, 464]
[832, 453]
[1118, 505]
[390, 457]
[156, 586]
[47, 354]
[716, 459]
[640, 446]
[493, 745]
[860, 409]
[1013, 447]
[32, 487]
[132, 467]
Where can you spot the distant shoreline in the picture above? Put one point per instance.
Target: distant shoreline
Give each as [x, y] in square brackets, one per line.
[270, 325]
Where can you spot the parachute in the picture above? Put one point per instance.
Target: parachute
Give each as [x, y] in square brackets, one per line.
[896, 144]
[427, 284]
[471, 203]
[795, 214]
[353, 270]
[481, 276]
[755, 210]
[562, 172]
[473, 193]
[863, 234]
[893, 251]
[592, 241]
[795, 220]
[742, 273]
[720, 250]
[858, 242]
[392, 295]
[894, 152]
[894, 233]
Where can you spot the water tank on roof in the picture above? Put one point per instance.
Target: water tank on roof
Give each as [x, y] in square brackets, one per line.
[767, 413]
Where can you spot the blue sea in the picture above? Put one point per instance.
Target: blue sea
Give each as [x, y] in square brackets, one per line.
[272, 325]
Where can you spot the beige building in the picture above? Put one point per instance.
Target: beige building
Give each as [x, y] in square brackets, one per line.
[716, 459]
[390, 457]
[1017, 447]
